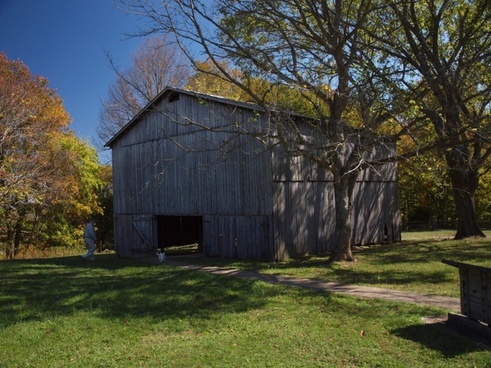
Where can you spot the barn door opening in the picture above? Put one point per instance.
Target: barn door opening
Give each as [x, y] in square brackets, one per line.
[183, 233]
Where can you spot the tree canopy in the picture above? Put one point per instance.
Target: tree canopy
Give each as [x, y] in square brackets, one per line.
[47, 175]
[441, 54]
[373, 73]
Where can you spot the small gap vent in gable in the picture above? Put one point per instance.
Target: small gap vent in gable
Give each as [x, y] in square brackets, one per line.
[174, 96]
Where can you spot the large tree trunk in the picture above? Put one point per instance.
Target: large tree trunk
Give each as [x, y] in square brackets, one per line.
[343, 194]
[464, 185]
[463, 166]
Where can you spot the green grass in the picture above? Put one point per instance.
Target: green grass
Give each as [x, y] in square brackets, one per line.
[411, 265]
[60, 312]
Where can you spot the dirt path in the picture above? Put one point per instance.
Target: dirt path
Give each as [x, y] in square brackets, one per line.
[448, 303]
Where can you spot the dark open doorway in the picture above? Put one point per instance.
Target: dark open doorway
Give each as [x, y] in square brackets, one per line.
[180, 231]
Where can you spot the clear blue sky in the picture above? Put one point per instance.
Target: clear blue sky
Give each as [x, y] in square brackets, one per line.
[65, 41]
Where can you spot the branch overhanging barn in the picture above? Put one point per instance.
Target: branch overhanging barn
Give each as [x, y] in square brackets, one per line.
[193, 168]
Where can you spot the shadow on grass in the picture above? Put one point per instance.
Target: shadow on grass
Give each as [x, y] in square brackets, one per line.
[318, 268]
[422, 251]
[408, 262]
[120, 289]
[434, 337]
[124, 289]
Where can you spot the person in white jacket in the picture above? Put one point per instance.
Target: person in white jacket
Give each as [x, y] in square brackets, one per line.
[90, 239]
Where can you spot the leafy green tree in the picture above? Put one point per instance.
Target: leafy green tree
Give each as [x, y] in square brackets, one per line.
[425, 192]
[48, 176]
[209, 79]
[483, 199]
[441, 52]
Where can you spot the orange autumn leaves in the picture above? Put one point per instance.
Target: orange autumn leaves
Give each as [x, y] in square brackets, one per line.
[43, 166]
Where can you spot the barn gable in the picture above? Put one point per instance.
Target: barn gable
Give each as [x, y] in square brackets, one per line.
[182, 174]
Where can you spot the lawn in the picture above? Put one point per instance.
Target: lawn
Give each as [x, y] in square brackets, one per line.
[61, 312]
[411, 265]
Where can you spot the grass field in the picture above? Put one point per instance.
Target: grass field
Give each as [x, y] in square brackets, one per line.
[61, 312]
[411, 265]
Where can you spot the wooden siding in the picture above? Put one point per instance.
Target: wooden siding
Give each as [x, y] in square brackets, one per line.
[304, 213]
[475, 293]
[376, 216]
[297, 168]
[167, 166]
[241, 237]
[136, 235]
[303, 218]
[162, 176]
[255, 204]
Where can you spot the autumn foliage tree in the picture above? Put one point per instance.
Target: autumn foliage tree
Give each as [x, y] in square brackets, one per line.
[46, 183]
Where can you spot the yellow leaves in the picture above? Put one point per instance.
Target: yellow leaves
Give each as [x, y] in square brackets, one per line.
[42, 160]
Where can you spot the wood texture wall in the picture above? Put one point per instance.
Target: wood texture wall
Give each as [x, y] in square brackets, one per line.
[254, 204]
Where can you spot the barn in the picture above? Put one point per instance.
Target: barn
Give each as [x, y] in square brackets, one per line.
[182, 175]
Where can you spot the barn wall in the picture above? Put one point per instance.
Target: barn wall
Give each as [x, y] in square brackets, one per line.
[166, 166]
[241, 237]
[304, 218]
[191, 171]
[304, 221]
[136, 234]
[255, 204]
[304, 212]
[376, 217]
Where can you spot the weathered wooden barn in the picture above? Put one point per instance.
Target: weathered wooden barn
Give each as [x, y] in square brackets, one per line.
[181, 175]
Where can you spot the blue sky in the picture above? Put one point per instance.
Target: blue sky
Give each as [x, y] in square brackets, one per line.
[66, 41]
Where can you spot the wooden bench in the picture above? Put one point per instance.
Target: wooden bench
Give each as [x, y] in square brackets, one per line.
[475, 291]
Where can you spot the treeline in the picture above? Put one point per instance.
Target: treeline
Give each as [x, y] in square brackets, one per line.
[50, 180]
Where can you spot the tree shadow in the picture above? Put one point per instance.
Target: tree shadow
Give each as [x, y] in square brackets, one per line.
[438, 337]
[348, 275]
[33, 290]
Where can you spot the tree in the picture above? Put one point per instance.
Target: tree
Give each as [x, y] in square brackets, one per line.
[309, 46]
[40, 167]
[104, 220]
[210, 80]
[30, 113]
[155, 65]
[425, 192]
[74, 184]
[442, 48]
[483, 199]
